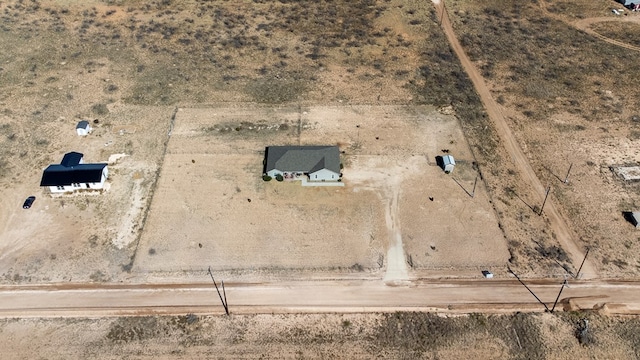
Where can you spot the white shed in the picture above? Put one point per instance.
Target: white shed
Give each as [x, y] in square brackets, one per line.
[448, 163]
[83, 128]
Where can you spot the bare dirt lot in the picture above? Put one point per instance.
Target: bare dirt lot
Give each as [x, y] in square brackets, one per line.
[212, 208]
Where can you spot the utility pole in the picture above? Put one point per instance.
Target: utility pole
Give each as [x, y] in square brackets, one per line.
[558, 297]
[473, 193]
[583, 260]
[545, 200]
[566, 178]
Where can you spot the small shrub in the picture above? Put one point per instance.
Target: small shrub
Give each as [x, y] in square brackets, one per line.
[111, 88]
[100, 109]
[279, 177]
[266, 177]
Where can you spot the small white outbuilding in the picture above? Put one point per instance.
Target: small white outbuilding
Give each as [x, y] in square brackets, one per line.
[83, 128]
[448, 163]
[487, 274]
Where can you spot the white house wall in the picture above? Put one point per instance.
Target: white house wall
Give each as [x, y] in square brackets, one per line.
[55, 189]
[324, 174]
[103, 179]
[72, 187]
[82, 186]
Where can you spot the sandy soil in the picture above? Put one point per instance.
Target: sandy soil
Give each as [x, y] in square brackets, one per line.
[244, 224]
[398, 219]
[82, 236]
[557, 224]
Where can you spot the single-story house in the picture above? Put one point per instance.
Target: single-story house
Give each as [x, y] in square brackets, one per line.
[73, 174]
[318, 163]
[83, 128]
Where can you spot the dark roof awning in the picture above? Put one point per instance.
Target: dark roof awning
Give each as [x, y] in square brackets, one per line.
[71, 159]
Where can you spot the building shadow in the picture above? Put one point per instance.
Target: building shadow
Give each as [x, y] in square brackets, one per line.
[628, 216]
[440, 162]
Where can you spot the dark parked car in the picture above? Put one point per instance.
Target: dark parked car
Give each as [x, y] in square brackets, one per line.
[27, 203]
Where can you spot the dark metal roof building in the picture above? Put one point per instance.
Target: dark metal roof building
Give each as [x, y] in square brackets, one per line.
[71, 170]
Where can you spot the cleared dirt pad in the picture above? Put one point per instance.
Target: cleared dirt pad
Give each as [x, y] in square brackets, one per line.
[212, 208]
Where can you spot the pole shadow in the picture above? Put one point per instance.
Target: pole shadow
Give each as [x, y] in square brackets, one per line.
[554, 174]
[526, 203]
[465, 190]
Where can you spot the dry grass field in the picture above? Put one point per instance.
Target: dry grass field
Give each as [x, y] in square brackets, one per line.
[571, 99]
[320, 336]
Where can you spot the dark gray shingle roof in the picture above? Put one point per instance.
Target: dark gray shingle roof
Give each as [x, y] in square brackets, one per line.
[303, 158]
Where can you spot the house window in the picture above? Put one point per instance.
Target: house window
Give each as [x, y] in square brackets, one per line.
[59, 187]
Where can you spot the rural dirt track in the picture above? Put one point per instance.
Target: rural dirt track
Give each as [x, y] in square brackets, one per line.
[520, 161]
[585, 25]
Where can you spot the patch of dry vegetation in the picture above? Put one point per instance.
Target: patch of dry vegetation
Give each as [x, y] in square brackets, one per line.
[361, 336]
[566, 94]
[622, 31]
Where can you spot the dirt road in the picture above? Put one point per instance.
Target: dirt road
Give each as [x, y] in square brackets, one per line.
[458, 296]
[518, 158]
[585, 25]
